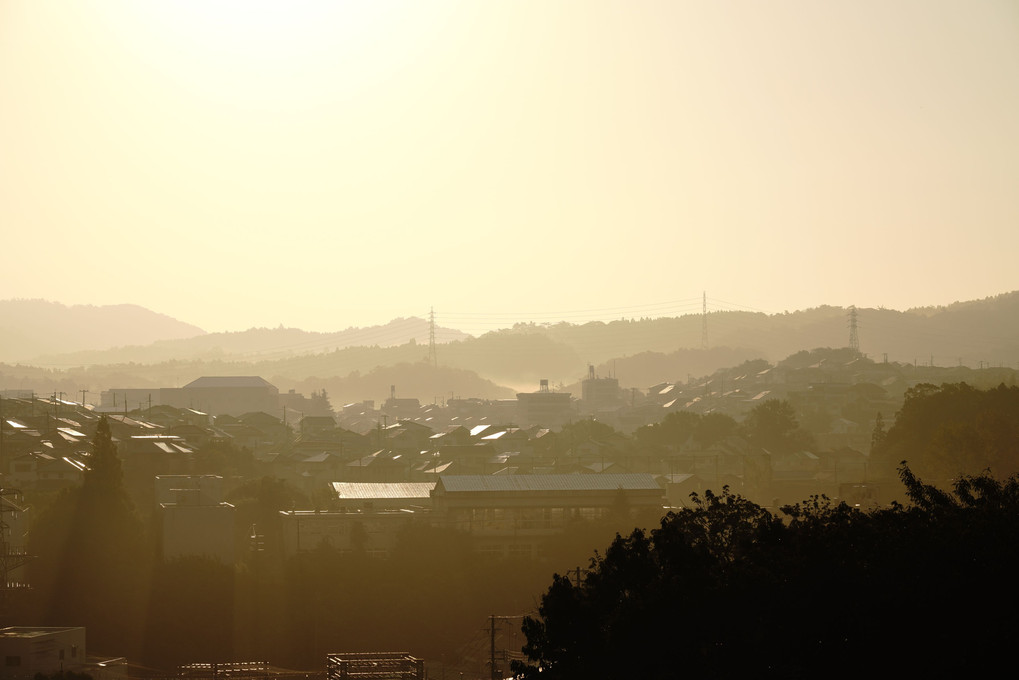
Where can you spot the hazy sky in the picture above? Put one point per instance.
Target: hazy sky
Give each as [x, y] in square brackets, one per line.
[328, 164]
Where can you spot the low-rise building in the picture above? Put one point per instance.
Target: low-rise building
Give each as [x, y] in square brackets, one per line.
[195, 520]
[48, 650]
[515, 515]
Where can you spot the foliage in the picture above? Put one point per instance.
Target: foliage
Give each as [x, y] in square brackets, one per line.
[104, 472]
[92, 556]
[583, 430]
[713, 428]
[63, 675]
[877, 437]
[772, 425]
[680, 427]
[727, 589]
[225, 459]
[953, 429]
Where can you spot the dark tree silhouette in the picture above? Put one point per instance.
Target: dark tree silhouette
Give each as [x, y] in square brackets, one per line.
[92, 561]
[954, 429]
[727, 589]
[772, 425]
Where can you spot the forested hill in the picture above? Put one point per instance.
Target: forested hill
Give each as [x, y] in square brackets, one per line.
[257, 344]
[31, 328]
[639, 352]
[981, 330]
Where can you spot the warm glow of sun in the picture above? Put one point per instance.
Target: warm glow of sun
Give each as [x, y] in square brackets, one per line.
[263, 40]
[251, 23]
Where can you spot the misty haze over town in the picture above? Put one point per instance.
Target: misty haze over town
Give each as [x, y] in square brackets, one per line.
[508, 339]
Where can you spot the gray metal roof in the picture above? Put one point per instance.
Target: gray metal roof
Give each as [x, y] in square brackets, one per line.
[565, 482]
[373, 490]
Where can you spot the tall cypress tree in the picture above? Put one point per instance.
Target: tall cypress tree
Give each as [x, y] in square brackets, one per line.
[105, 472]
[92, 563]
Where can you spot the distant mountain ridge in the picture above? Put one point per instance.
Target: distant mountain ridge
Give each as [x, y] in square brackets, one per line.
[639, 352]
[964, 332]
[259, 344]
[30, 328]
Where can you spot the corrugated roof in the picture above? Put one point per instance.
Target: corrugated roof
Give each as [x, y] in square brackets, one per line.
[375, 490]
[469, 483]
[497, 435]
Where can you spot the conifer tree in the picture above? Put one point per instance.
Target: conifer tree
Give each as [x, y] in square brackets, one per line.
[105, 470]
[91, 556]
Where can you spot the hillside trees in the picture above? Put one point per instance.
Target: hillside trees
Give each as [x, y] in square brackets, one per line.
[772, 425]
[954, 428]
[92, 560]
[727, 589]
[680, 427]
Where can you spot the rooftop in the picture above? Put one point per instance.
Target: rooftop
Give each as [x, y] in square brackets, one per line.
[377, 490]
[565, 482]
[229, 381]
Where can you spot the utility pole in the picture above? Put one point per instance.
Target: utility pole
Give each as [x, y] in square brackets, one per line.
[495, 670]
[495, 675]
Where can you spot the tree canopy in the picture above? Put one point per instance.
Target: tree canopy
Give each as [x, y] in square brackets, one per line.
[772, 425]
[679, 427]
[954, 428]
[91, 552]
[729, 589]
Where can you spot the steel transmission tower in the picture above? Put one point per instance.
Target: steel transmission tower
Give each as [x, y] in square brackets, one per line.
[854, 336]
[432, 358]
[704, 320]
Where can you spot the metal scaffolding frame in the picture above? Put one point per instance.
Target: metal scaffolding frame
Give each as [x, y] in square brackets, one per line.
[374, 666]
